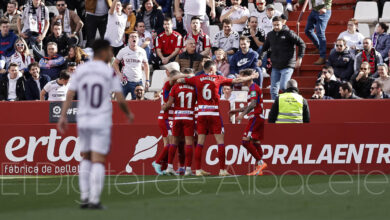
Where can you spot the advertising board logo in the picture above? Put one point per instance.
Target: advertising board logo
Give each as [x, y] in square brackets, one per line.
[146, 148]
[56, 110]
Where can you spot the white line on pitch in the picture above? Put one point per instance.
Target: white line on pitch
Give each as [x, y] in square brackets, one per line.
[172, 180]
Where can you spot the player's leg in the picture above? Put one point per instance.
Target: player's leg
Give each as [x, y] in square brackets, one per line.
[253, 134]
[218, 131]
[162, 158]
[189, 142]
[181, 155]
[85, 166]
[202, 128]
[100, 146]
[171, 156]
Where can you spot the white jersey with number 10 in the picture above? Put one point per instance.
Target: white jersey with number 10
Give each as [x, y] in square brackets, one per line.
[94, 81]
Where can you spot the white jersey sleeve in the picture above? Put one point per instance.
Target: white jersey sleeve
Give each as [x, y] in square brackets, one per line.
[48, 87]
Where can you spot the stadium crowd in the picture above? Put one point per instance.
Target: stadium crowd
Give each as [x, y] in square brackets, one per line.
[42, 43]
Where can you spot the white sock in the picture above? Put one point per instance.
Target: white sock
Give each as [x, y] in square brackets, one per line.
[96, 182]
[84, 173]
[188, 169]
[170, 166]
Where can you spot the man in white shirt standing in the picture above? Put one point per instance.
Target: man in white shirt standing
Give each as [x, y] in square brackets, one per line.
[94, 82]
[57, 89]
[237, 13]
[134, 60]
[195, 8]
[116, 26]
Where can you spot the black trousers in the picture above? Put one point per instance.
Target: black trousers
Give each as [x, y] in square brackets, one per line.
[94, 23]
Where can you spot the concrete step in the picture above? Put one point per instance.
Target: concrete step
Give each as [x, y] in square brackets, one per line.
[337, 15]
[305, 92]
[331, 37]
[330, 28]
[310, 70]
[303, 81]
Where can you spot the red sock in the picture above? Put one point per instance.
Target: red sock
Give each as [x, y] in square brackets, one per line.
[163, 155]
[221, 156]
[198, 156]
[182, 155]
[188, 150]
[259, 150]
[164, 165]
[252, 149]
[171, 155]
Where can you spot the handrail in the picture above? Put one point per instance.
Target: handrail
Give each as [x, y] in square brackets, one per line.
[298, 24]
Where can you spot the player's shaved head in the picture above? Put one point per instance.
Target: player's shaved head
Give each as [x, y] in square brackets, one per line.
[102, 50]
[174, 73]
[208, 65]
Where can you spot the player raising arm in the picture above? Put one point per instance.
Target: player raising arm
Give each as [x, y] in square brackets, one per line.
[209, 120]
[94, 81]
[254, 131]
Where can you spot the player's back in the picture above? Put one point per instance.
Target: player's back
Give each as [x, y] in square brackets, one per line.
[184, 104]
[94, 81]
[255, 93]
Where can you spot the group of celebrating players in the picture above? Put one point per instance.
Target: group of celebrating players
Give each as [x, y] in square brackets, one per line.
[190, 109]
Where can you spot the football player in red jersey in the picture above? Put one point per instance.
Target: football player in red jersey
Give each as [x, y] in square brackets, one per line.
[209, 120]
[254, 131]
[164, 120]
[183, 98]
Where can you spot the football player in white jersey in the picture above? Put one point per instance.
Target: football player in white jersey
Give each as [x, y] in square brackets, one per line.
[56, 89]
[94, 81]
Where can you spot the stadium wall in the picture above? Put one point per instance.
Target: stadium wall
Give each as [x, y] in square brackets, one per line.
[345, 137]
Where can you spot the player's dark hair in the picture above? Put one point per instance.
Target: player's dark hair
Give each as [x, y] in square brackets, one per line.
[35, 64]
[100, 45]
[208, 64]
[246, 72]
[188, 71]
[346, 86]
[174, 73]
[64, 75]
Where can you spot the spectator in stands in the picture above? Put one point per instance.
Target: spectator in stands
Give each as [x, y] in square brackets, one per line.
[237, 13]
[71, 67]
[245, 58]
[227, 94]
[168, 45]
[62, 40]
[56, 89]
[318, 20]
[381, 40]
[353, 38]
[377, 91]
[96, 19]
[346, 91]
[53, 63]
[202, 40]
[222, 62]
[204, 60]
[384, 78]
[22, 55]
[151, 16]
[368, 54]
[116, 26]
[166, 7]
[79, 6]
[76, 55]
[178, 26]
[131, 20]
[331, 84]
[260, 12]
[7, 40]
[219, 6]
[36, 22]
[319, 92]
[362, 81]
[136, 4]
[227, 39]
[12, 85]
[342, 61]
[282, 43]
[266, 21]
[140, 93]
[12, 15]
[36, 83]
[255, 34]
[134, 61]
[195, 9]
[70, 22]
[190, 58]
[145, 38]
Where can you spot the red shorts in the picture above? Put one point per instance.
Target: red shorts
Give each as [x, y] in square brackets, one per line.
[181, 127]
[255, 129]
[165, 127]
[210, 125]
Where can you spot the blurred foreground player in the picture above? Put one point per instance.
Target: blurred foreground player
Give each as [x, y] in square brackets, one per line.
[254, 131]
[94, 81]
[209, 120]
[182, 97]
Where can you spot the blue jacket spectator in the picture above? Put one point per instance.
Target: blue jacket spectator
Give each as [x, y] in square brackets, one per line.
[381, 40]
[53, 63]
[7, 39]
[342, 61]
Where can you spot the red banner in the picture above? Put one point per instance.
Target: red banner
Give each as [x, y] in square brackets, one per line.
[316, 148]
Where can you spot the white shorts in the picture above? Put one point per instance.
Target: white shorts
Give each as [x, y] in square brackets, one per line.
[95, 139]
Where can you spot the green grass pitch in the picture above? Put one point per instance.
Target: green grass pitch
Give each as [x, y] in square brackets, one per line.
[237, 197]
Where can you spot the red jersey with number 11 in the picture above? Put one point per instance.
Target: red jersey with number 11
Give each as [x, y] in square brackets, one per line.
[207, 87]
[185, 98]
